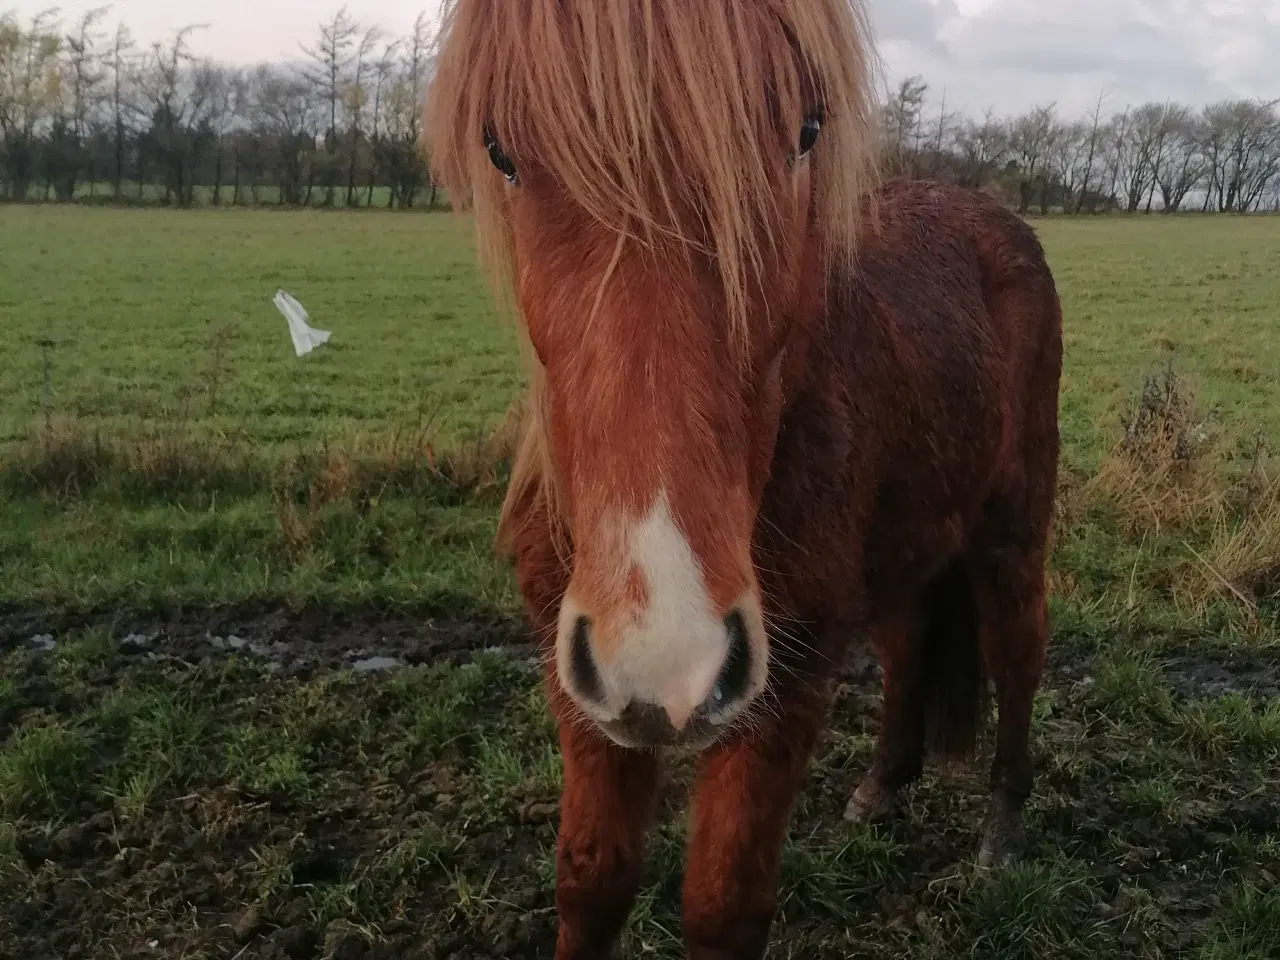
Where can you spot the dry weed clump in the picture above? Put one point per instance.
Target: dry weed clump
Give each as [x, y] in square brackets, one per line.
[1068, 501]
[177, 458]
[1241, 561]
[1172, 477]
[1164, 473]
[66, 458]
[482, 464]
[407, 464]
[177, 455]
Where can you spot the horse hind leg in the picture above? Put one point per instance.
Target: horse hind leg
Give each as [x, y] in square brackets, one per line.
[982, 622]
[933, 691]
[1011, 596]
[899, 753]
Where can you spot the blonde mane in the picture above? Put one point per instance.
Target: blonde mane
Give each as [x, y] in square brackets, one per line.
[664, 121]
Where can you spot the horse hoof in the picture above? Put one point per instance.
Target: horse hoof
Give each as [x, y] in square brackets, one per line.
[871, 803]
[1002, 844]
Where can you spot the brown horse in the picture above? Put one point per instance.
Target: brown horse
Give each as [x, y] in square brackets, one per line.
[775, 407]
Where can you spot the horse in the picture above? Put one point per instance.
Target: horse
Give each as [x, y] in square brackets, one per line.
[780, 404]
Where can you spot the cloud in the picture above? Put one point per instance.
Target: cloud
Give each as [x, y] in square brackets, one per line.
[1013, 53]
[917, 22]
[1008, 54]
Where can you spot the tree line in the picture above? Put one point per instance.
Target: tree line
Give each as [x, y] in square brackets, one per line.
[1221, 157]
[86, 114]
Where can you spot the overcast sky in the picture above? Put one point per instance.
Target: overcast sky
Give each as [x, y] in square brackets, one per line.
[1006, 54]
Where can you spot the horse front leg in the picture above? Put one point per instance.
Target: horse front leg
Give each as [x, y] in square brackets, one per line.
[608, 792]
[745, 790]
[605, 808]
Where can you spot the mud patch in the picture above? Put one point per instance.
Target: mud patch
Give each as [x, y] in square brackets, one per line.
[298, 643]
[1205, 674]
[156, 805]
[1232, 672]
[294, 642]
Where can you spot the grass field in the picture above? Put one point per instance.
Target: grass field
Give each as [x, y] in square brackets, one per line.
[210, 548]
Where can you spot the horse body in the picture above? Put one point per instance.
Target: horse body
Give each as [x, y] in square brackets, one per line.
[908, 503]
[773, 412]
[919, 403]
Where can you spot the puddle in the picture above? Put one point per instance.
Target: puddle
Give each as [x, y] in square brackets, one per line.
[44, 642]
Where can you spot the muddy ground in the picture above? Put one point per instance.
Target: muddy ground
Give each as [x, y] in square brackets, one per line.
[260, 784]
[298, 642]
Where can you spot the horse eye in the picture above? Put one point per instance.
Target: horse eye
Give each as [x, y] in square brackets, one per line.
[809, 132]
[500, 159]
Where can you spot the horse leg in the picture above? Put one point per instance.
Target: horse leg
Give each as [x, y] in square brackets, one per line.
[899, 757]
[608, 792]
[1010, 592]
[605, 808]
[745, 789]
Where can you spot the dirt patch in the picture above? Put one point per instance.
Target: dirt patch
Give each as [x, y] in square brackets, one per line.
[296, 642]
[300, 642]
[1206, 673]
[1244, 674]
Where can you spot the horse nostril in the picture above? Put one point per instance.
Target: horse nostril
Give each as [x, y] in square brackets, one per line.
[735, 675]
[582, 665]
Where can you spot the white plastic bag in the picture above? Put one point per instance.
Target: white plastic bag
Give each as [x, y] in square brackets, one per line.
[305, 338]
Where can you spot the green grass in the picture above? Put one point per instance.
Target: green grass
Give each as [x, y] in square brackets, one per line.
[190, 457]
[188, 438]
[133, 299]
[1136, 293]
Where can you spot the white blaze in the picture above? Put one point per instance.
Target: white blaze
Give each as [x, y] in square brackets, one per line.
[672, 652]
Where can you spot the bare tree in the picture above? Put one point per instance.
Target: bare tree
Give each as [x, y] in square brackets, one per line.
[982, 145]
[402, 160]
[356, 106]
[903, 119]
[286, 122]
[12, 40]
[81, 89]
[936, 158]
[1141, 136]
[1182, 168]
[329, 75]
[1088, 162]
[385, 73]
[1241, 146]
[119, 67]
[1031, 140]
[177, 105]
[218, 88]
[1162, 141]
[30, 89]
[1271, 202]
[241, 110]
[1068, 162]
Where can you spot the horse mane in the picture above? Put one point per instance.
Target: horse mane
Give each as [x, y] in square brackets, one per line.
[664, 120]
